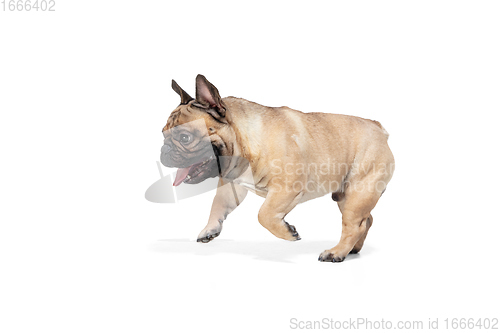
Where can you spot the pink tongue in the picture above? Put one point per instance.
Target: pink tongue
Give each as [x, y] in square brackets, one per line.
[181, 175]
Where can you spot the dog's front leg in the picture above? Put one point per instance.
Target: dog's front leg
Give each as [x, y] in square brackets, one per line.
[273, 211]
[227, 198]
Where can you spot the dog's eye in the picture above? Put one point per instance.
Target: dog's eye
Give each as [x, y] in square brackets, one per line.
[184, 138]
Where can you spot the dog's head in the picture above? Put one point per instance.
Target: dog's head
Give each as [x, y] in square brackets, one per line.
[196, 134]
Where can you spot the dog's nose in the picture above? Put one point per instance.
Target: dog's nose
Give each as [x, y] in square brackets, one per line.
[166, 148]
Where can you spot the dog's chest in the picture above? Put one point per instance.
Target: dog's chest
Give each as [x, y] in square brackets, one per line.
[246, 180]
[252, 187]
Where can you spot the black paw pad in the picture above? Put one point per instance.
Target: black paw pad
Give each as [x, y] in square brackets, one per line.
[207, 238]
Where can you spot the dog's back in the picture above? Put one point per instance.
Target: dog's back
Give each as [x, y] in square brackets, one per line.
[318, 135]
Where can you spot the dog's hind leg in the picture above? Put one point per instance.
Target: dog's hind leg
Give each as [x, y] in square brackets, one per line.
[360, 198]
[359, 245]
[339, 198]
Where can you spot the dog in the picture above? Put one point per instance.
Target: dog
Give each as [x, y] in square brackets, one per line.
[284, 155]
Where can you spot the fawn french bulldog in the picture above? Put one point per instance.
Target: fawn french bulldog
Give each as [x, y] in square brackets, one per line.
[281, 154]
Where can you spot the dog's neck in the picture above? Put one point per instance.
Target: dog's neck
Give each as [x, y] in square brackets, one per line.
[244, 132]
[247, 126]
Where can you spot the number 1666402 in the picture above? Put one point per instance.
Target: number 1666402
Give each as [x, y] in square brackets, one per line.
[28, 5]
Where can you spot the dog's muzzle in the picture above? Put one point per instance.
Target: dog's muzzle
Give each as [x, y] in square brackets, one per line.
[166, 148]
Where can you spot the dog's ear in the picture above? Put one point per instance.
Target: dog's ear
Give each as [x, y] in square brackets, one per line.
[185, 98]
[207, 96]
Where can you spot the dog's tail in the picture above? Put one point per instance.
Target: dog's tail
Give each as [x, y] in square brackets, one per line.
[382, 128]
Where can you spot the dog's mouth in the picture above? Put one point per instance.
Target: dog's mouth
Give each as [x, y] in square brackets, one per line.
[197, 172]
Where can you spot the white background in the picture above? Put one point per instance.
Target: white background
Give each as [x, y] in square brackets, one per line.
[85, 92]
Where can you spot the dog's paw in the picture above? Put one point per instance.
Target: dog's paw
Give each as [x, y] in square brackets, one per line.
[293, 232]
[207, 238]
[209, 233]
[329, 256]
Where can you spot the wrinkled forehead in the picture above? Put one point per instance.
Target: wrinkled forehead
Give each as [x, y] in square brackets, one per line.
[174, 119]
[181, 115]
[197, 127]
